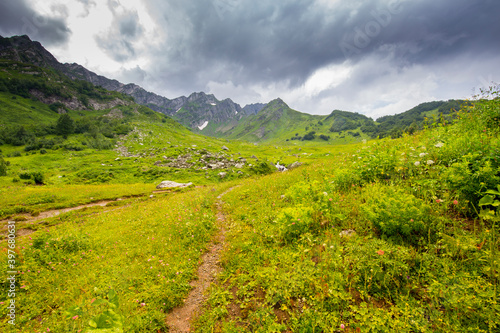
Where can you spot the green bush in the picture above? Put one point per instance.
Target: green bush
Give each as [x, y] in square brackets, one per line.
[65, 125]
[398, 215]
[3, 167]
[262, 168]
[470, 176]
[25, 175]
[294, 222]
[36, 176]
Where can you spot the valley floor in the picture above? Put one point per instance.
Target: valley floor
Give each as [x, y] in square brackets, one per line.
[384, 236]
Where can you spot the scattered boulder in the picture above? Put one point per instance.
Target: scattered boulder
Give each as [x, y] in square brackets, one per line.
[225, 148]
[172, 184]
[347, 233]
[222, 174]
[281, 167]
[239, 165]
[294, 165]
[157, 163]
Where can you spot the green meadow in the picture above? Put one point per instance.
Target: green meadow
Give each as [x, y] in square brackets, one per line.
[384, 235]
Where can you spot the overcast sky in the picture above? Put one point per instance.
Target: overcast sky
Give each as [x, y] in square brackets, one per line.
[373, 57]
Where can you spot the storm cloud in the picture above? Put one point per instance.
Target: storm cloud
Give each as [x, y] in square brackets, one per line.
[18, 18]
[260, 43]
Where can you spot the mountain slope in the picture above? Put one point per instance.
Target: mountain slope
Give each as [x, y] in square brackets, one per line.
[199, 106]
[277, 122]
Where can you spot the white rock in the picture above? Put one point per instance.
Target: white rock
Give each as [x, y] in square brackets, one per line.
[171, 184]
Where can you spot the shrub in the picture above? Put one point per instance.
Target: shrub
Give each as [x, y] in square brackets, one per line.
[3, 167]
[295, 221]
[324, 137]
[398, 215]
[309, 136]
[36, 176]
[345, 179]
[262, 168]
[65, 125]
[25, 175]
[471, 176]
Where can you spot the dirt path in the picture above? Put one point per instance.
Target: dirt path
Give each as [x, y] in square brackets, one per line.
[179, 320]
[47, 214]
[55, 212]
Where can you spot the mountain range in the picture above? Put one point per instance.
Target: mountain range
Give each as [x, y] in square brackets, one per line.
[205, 114]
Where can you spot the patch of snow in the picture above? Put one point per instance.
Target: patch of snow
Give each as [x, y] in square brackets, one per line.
[203, 126]
[213, 104]
[178, 109]
[236, 112]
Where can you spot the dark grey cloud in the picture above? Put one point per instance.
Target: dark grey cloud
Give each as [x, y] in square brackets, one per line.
[261, 42]
[17, 18]
[118, 42]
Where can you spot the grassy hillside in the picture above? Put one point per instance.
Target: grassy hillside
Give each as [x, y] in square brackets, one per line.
[278, 123]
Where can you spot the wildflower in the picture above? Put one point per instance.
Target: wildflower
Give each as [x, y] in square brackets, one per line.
[455, 202]
[439, 144]
[439, 200]
[417, 163]
[342, 326]
[75, 317]
[143, 304]
[430, 162]
[422, 154]
[380, 252]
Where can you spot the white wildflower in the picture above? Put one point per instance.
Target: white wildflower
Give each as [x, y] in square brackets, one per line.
[422, 154]
[439, 144]
[417, 163]
[429, 162]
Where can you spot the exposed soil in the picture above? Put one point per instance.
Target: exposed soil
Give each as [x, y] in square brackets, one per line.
[179, 319]
[51, 213]
[47, 214]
